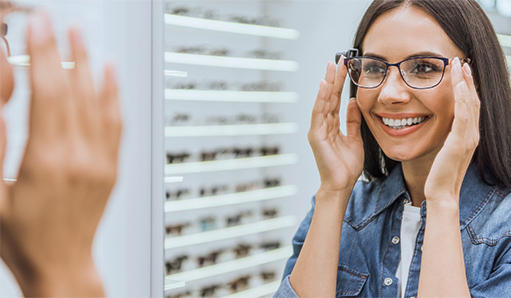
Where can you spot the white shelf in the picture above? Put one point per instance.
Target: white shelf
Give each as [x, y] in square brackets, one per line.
[231, 62]
[232, 232]
[231, 96]
[231, 130]
[264, 290]
[231, 27]
[173, 284]
[231, 199]
[173, 179]
[232, 164]
[176, 73]
[505, 40]
[24, 60]
[235, 265]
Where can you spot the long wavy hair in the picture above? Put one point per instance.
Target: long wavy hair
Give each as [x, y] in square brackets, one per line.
[467, 25]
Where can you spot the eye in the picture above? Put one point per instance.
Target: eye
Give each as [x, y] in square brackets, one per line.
[424, 67]
[373, 67]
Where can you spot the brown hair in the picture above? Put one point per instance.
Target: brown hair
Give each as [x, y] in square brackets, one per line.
[469, 28]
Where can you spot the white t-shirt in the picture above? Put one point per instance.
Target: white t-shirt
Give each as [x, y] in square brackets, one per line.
[410, 226]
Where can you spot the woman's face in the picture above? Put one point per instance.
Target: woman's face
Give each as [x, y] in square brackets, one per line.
[393, 37]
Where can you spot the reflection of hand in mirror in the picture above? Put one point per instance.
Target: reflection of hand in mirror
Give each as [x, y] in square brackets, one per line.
[50, 214]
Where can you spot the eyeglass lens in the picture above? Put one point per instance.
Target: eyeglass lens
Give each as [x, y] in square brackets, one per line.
[419, 73]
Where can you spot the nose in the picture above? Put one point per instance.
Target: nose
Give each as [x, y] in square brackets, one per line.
[394, 90]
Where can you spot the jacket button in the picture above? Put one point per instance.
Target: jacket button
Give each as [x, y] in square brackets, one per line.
[395, 240]
[388, 281]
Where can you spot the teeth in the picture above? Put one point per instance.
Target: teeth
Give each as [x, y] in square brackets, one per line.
[402, 123]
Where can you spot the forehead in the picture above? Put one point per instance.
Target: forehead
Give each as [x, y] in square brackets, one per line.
[405, 31]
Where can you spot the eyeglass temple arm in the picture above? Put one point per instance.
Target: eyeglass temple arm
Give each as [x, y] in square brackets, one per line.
[348, 54]
[462, 61]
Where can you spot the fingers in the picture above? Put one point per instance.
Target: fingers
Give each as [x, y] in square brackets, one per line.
[321, 106]
[6, 78]
[48, 81]
[111, 113]
[328, 100]
[467, 104]
[464, 88]
[340, 78]
[82, 84]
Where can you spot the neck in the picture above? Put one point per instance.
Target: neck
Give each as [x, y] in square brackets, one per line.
[415, 174]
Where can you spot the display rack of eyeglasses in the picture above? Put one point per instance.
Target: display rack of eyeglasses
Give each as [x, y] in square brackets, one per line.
[225, 131]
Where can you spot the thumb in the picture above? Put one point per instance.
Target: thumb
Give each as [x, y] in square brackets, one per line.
[353, 119]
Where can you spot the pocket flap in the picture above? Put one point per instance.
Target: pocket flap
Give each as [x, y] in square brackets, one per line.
[350, 282]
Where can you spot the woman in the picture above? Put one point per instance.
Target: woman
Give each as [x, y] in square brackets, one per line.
[48, 217]
[433, 139]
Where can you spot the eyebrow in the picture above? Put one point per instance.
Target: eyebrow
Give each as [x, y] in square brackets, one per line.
[419, 54]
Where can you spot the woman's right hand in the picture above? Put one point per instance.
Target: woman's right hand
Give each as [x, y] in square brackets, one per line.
[339, 157]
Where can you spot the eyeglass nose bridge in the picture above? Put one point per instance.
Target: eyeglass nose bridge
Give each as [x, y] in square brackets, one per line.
[402, 73]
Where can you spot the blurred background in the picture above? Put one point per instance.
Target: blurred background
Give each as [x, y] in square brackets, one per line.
[216, 171]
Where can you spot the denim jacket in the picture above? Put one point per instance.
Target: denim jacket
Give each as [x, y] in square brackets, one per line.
[368, 258]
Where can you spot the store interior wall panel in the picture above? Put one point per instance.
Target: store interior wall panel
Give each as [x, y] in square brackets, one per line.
[326, 27]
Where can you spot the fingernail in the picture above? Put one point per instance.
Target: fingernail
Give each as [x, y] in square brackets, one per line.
[341, 61]
[40, 26]
[467, 69]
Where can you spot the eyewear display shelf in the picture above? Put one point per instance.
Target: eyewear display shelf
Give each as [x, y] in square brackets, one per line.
[228, 135]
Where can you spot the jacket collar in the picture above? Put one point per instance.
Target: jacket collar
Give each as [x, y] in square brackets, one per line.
[474, 194]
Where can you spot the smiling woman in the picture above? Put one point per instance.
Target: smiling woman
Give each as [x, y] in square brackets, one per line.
[428, 126]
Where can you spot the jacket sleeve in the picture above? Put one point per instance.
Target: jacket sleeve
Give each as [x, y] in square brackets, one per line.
[285, 290]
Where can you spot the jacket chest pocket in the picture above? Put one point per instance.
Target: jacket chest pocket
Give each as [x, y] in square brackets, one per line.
[350, 282]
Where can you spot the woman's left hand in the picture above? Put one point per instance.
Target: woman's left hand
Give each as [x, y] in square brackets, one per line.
[50, 214]
[451, 163]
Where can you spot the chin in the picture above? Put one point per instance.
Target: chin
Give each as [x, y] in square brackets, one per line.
[404, 154]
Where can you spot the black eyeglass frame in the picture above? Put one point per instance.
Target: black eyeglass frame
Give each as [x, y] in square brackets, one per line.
[353, 54]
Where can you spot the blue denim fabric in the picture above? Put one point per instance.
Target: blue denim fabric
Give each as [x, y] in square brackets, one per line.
[368, 259]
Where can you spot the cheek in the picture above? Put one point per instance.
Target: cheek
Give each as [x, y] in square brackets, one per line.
[442, 104]
[365, 101]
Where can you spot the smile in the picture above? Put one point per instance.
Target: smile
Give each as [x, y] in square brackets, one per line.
[402, 123]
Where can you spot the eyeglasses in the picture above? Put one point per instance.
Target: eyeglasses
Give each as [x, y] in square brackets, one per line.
[175, 264]
[209, 259]
[417, 72]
